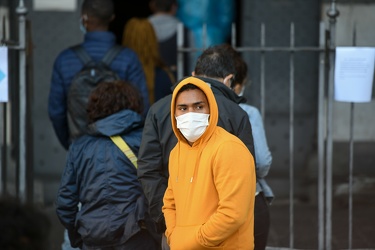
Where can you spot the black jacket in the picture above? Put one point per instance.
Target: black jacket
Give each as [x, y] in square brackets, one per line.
[158, 140]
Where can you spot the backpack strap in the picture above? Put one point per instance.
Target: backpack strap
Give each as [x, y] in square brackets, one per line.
[82, 54]
[125, 149]
[111, 54]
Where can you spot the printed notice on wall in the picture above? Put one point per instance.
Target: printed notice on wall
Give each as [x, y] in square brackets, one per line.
[55, 5]
[3, 74]
[354, 73]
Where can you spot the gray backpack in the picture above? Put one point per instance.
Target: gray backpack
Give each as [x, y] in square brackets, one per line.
[92, 73]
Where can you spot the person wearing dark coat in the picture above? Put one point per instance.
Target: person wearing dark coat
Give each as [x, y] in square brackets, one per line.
[216, 68]
[114, 211]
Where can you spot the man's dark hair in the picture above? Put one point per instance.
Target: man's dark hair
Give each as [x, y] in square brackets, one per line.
[215, 62]
[163, 5]
[239, 64]
[102, 10]
[188, 86]
[111, 97]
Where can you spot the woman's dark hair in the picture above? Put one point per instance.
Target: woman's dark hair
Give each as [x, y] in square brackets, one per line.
[111, 97]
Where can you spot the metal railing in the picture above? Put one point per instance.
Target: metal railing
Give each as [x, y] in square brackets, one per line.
[326, 51]
[23, 187]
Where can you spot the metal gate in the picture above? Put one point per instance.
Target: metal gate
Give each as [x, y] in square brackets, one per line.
[326, 52]
[15, 121]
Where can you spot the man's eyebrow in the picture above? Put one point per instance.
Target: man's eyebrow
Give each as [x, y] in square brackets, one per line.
[197, 103]
[194, 103]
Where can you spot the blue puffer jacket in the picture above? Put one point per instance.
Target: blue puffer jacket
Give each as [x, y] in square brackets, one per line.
[67, 65]
[100, 177]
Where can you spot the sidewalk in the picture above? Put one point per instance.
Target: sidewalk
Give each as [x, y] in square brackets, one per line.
[305, 226]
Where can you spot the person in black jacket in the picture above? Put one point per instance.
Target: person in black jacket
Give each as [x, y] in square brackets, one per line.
[216, 67]
[99, 176]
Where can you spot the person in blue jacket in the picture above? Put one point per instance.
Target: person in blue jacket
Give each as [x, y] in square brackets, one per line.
[217, 15]
[114, 211]
[95, 18]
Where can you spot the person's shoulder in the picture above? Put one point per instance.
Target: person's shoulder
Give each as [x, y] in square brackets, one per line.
[66, 55]
[225, 138]
[251, 110]
[223, 101]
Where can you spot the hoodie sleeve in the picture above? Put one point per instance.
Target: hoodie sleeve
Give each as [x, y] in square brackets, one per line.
[236, 200]
[169, 210]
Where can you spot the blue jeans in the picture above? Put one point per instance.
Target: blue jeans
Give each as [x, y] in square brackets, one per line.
[164, 244]
[66, 244]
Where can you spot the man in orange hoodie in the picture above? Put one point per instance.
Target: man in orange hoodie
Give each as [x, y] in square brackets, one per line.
[209, 201]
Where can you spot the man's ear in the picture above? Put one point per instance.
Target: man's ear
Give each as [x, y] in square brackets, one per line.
[229, 81]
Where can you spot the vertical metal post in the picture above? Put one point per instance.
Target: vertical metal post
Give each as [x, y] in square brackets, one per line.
[262, 71]
[180, 53]
[233, 37]
[2, 149]
[350, 236]
[22, 11]
[351, 153]
[332, 14]
[291, 140]
[321, 136]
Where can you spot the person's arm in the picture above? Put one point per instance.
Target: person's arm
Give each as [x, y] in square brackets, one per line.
[236, 190]
[151, 169]
[67, 201]
[262, 152]
[57, 107]
[169, 210]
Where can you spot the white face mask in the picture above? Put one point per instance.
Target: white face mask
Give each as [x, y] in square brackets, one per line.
[242, 91]
[81, 26]
[192, 125]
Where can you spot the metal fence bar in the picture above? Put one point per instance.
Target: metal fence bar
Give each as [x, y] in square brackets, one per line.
[291, 140]
[180, 52]
[22, 11]
[2, 150]
[351, 147]
[332, 14]
[351, 153]
[263, 71]
[321, 136]
[281, 49]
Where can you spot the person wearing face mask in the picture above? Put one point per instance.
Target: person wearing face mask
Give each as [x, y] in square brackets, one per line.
[209, 201]
[264, 195]
[96, 16]
[215, 66]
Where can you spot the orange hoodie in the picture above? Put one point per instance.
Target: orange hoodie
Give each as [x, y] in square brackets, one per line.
[209, 201]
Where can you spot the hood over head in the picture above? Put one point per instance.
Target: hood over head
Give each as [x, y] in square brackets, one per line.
[214, 114]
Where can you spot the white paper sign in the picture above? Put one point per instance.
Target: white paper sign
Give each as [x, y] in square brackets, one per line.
[354, 72]
[55, 5]
[3, 74]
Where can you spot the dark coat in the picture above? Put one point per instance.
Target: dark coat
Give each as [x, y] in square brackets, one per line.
[100, 177]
